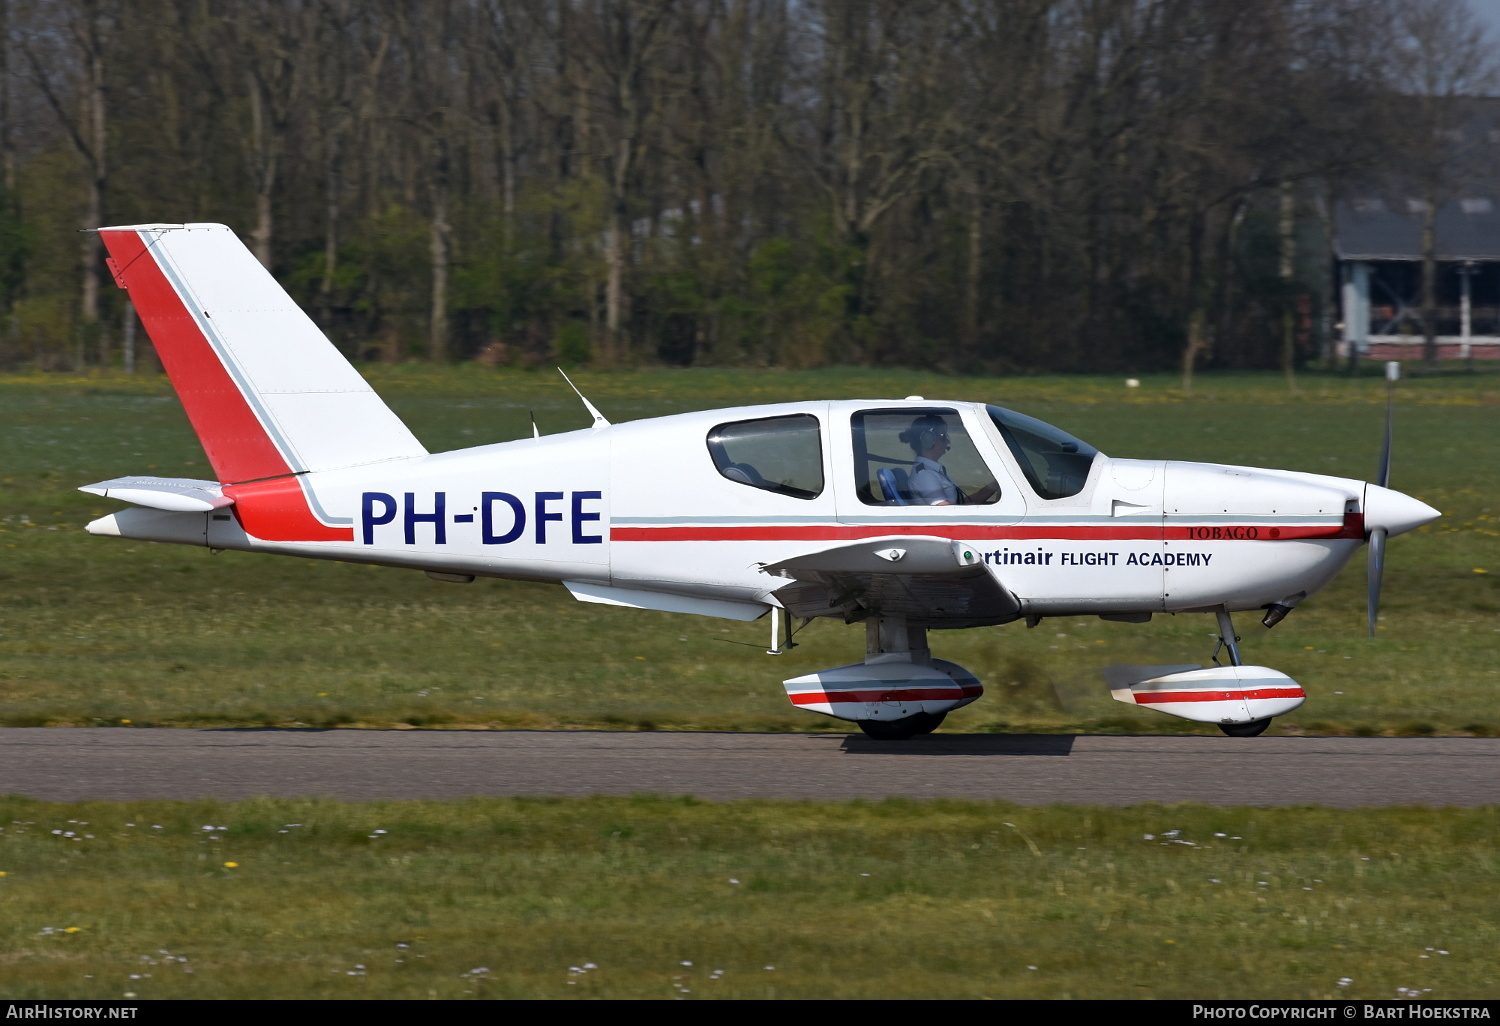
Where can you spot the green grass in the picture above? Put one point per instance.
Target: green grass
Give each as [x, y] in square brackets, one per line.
[98, 631]
[888, 899]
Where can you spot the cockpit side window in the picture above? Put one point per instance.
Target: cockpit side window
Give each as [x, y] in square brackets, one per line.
[779, 454]
[1055, 463]
[917, 457]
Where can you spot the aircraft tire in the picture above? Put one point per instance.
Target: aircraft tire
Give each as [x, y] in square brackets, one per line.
[1254, 728]
[902, 729]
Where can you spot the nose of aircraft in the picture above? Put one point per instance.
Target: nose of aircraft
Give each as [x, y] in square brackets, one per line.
[1395, 511]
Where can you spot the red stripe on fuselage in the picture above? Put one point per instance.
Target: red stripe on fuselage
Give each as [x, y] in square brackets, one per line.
[887, 695]
[982, 532]
[1169, 697]
[278, 510]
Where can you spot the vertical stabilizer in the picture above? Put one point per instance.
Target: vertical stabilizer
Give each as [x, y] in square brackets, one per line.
[266, 391]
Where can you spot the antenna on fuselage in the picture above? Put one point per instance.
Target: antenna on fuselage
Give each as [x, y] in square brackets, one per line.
[599, 418]
[536, 432]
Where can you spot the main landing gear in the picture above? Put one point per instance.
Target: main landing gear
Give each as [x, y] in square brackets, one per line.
[898, 692]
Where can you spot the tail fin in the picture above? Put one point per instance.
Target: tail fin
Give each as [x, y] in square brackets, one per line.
[266, 391]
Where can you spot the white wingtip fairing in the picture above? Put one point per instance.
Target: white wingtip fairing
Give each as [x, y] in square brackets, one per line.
[104, 527]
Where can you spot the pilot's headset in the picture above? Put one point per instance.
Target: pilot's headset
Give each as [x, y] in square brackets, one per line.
[923, 433]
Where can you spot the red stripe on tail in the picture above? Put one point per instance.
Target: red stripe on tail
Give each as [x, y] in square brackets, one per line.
[237, 445]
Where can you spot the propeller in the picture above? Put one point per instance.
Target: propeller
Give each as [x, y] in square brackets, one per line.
[1375, 567]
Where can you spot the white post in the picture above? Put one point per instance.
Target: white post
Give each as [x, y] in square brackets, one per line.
[128, 348]
[1466, 272]
[1356, 307]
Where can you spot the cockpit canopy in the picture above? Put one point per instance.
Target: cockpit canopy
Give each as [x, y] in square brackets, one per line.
[1055, 463]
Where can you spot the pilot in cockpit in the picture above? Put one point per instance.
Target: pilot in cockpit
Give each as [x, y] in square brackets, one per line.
[928, 482]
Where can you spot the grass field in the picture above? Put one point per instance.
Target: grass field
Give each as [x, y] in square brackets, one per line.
[663, 898]
[102, 631]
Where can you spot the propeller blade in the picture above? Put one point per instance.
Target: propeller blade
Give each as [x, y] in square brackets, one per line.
[1392, 375]
[1375, 570]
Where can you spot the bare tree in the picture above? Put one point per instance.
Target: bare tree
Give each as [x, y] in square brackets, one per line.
[1441, 58]
[82, 45]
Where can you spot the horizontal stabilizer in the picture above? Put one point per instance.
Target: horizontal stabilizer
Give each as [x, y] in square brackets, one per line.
[176, 494]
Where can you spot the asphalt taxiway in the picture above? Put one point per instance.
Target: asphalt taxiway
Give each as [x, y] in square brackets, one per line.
[67, 764]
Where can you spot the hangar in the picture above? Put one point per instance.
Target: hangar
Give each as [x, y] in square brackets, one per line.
[1378, 252]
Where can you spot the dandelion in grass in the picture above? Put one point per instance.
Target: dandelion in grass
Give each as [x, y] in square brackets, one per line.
[231, 865]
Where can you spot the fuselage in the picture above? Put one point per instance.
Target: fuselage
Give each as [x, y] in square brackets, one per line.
[652, 513]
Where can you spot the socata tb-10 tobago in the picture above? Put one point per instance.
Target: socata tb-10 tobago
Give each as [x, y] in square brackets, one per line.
[901, 515]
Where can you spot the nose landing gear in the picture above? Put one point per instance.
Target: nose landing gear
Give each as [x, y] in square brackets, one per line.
[1240, 700]
[1229, 641]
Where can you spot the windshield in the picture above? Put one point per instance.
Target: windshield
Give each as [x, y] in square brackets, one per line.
[1055, 463]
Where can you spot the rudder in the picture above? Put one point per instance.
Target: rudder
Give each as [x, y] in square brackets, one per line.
[264, 388]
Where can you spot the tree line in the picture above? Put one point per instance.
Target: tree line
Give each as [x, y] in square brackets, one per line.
[1001, 185]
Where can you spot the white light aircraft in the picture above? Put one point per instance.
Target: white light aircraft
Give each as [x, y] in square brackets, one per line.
[904, 515]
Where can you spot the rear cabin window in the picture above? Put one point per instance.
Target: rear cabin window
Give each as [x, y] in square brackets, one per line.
[779, 454]
[916, 457]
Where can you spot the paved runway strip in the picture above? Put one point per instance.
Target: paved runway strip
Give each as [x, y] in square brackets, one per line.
[121, 763]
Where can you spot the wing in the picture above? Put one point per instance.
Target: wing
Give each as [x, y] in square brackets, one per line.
[933, 582]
